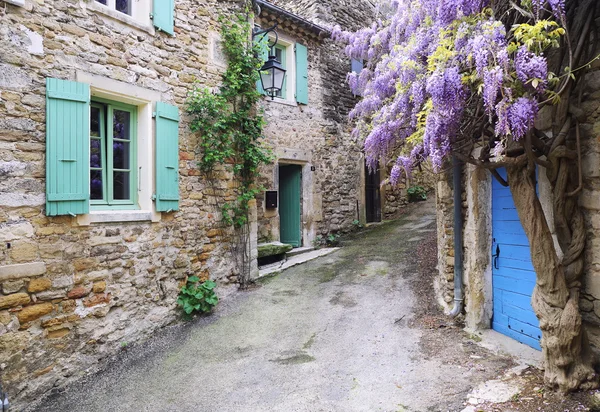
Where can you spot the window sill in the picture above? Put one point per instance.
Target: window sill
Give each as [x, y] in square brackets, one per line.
[117, 216]
[16, 2]
[277, 100]
[123, 18]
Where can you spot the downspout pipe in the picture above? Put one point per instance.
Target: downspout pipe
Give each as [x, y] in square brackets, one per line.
[458, 238]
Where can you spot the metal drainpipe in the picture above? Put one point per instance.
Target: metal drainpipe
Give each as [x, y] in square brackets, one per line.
[458, 239]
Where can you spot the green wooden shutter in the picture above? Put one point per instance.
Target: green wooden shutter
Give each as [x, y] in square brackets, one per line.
[163, 15]
[301, 74]
[167, 157]
[67, 147]
[263, 55]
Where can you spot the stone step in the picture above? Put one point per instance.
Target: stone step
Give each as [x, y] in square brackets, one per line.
[299, 251]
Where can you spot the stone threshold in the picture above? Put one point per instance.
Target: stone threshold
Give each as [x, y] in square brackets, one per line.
[294, 261]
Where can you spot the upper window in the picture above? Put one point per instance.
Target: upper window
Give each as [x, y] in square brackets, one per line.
[113, 151]
[281, 56]
[123, 6]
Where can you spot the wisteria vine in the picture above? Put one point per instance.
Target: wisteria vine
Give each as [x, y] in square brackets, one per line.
[434, 68]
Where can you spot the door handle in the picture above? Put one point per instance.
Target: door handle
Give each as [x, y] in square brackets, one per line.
[496, 256]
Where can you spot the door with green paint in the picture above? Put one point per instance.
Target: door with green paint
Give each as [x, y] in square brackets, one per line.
[289, 204]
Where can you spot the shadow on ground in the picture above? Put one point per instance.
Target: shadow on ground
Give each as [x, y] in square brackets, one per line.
[357, 330]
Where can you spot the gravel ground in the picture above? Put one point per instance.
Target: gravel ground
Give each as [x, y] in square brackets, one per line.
[357, 330]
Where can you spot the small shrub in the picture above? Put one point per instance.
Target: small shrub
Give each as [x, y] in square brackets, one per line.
[416, 193]
[356, 223]
[333, 239]
[197, 297]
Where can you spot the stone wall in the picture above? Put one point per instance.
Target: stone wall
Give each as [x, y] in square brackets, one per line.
[71, 294]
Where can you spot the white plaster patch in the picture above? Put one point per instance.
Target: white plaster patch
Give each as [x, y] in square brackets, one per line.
[36, 43]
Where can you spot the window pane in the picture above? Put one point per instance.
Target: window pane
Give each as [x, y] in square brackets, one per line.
[102, 2]
[96, 153]
[121, 124]
[95, 121]
[96, 184]
[124, 6]
[121, 155]
[121, 185]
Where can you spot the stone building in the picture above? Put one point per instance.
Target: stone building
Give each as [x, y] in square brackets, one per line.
[103, 211]
[318, 167]
[498, 275]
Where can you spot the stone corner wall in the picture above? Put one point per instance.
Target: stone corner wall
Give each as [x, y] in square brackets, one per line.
[71, 294]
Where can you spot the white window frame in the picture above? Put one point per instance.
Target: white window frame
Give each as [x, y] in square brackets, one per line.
[145, 100]
[290, 67]
[139, 18]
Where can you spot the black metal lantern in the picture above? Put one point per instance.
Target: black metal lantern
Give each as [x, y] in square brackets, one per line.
[272, 75]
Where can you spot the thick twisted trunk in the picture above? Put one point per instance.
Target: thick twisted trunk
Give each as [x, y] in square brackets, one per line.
[567, 354]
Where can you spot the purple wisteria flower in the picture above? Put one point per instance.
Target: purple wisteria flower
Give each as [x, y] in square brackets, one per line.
[531, 67]
[521, 116]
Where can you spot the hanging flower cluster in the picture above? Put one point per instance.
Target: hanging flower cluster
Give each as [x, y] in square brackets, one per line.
[430, 59]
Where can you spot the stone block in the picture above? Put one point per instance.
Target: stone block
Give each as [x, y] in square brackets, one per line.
[33, 312]
[18, 271]
[5, 317]
[273, 249]
[96, 300]
[51, 294]
[39, 285]
[78, 292]
[99, 287]
[16, 299]
[15, 230]
[58, 333]
[12, 286]
[23, 251]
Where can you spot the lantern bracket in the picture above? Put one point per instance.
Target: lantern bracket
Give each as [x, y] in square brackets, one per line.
[257, 32]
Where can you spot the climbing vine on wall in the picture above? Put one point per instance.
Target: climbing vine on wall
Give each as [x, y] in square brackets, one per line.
[230, 129]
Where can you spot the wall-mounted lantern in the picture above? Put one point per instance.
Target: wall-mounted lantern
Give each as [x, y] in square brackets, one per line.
[272, 72]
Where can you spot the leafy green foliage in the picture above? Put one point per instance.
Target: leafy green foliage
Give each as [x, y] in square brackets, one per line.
[197, 297]
[416, 193]
[228, 122]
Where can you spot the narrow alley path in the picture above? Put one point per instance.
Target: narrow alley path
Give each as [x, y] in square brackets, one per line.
[353, 331]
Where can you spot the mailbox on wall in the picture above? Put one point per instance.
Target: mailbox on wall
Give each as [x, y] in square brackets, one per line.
[271, 199]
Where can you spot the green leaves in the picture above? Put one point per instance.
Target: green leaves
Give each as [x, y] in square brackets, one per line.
[228, 122]
[197, 297]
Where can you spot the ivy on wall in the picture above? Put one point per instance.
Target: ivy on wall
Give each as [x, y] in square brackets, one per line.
[230, 127]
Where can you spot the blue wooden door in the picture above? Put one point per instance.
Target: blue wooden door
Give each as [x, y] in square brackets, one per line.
[513, 276]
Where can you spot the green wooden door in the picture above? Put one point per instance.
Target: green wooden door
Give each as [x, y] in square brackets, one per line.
[289, 204]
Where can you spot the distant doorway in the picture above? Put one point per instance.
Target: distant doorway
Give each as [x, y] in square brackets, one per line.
[290, 186]
[372, 195]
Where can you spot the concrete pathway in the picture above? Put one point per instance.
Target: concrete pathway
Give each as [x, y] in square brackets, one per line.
[339, 333]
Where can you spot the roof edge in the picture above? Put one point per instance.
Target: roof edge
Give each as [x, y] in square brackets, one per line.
[320, 30]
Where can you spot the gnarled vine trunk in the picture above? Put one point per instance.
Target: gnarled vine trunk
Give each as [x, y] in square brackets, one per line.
[566, 350]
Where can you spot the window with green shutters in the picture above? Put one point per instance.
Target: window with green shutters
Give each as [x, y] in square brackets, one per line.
[94, 158]
[113, 151]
